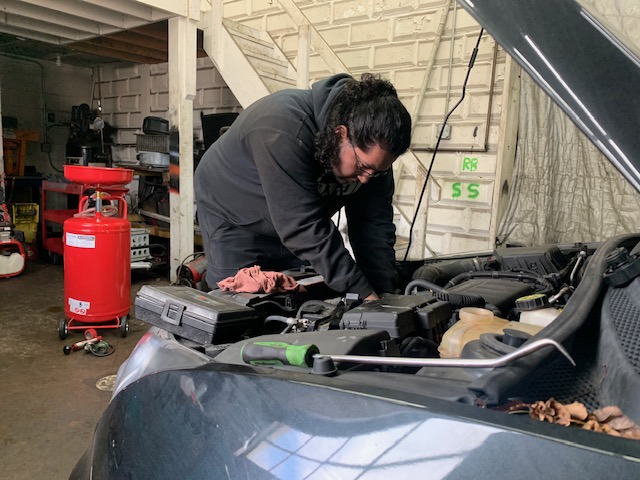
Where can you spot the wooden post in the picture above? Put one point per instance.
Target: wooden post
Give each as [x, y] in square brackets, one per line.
[507, 139]
[182, 91]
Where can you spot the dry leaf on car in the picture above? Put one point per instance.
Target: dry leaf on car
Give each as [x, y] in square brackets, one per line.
[610, 420]
[550, 411]
[577, 411]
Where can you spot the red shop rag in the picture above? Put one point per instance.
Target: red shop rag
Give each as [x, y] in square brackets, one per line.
[254, 280]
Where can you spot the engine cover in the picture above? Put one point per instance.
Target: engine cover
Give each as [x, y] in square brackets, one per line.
[398, 315]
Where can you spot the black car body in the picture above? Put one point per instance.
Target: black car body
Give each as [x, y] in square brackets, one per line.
[195, 409]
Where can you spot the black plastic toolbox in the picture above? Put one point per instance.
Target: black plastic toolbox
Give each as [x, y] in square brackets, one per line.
[192, 314]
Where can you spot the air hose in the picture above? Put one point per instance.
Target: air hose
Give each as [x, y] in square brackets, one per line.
[100, 349]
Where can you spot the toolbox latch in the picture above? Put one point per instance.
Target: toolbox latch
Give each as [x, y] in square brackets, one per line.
[172, 313]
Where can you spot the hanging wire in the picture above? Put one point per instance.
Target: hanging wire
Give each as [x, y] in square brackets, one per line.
[472, 60]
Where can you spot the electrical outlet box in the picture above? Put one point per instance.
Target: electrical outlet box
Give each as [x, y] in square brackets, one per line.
[446, 131]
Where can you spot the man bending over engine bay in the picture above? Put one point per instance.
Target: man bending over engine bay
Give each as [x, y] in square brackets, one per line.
[267, 188]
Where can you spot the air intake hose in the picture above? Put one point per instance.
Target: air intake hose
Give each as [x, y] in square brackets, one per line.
[446, 270]
[521, 276]
[455, 299]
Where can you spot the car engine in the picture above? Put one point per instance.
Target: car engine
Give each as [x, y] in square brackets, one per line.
[519, 290]
[516, 322]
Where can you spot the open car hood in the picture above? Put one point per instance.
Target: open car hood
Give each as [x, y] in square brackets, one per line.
[583, 64]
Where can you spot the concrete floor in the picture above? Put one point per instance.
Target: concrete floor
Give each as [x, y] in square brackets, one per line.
[49, 402]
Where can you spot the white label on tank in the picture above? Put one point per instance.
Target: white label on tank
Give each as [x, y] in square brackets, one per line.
[81, 241]
[78, 306]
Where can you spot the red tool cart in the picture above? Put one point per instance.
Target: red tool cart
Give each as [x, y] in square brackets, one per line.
[53, 218]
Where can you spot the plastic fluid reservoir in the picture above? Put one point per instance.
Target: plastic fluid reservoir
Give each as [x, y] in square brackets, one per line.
[535, 310]
[473, 323]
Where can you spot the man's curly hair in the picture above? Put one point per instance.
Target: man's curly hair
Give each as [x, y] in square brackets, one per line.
[373, 114]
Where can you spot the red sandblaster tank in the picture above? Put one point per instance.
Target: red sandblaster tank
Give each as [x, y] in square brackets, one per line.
[97, 253]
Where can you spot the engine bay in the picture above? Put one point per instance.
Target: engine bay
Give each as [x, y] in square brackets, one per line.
[474, 329]
[496, 289]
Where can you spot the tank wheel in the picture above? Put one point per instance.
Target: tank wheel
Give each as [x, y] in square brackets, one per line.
[56, 258]
[63, 328]
[124, 326]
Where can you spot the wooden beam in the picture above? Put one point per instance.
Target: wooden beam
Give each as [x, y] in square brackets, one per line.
[133, 37]
[46, 28]
[87, 11]
[43, 14]
[304, 50]
[30, 34]
[111, 53]
[126, 7]
[182, 8]
[317, 41]
[157, 31]
[129, 48]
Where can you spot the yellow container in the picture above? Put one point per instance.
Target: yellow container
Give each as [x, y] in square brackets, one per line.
[25, 217]
[473, 323]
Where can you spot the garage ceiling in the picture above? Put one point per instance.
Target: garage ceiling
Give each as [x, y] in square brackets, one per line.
[88, 32]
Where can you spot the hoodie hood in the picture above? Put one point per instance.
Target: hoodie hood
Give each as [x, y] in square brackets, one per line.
[323, 93]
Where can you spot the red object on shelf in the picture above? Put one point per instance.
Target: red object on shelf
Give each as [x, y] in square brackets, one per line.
[49, 216]
[53, 243]
[98, 175]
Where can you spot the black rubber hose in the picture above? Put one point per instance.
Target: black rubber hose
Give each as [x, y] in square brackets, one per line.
[276, 318]
[275, 304]
[496, 311]
[459, 300]
[420, 282]
[446, 270]
[548, 288]
[413, 342]
[455, 299]
[100, 349]
[314, 303]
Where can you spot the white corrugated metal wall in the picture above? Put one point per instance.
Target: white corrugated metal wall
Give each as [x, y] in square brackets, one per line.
[564, 189]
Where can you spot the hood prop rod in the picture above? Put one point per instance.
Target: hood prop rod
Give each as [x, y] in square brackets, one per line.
[453, 362]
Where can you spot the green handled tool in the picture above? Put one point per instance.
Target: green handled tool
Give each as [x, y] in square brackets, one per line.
[278, 353]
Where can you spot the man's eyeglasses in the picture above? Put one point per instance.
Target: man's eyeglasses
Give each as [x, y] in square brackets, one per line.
[360, 169]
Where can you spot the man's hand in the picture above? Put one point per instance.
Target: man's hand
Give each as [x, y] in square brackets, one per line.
[372, 296]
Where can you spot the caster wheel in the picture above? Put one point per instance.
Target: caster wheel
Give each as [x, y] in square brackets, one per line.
[63, 328]
[124, 326]
[56, 258]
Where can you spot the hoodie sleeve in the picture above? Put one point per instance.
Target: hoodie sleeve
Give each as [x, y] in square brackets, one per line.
[372, 232]
[289, 182]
